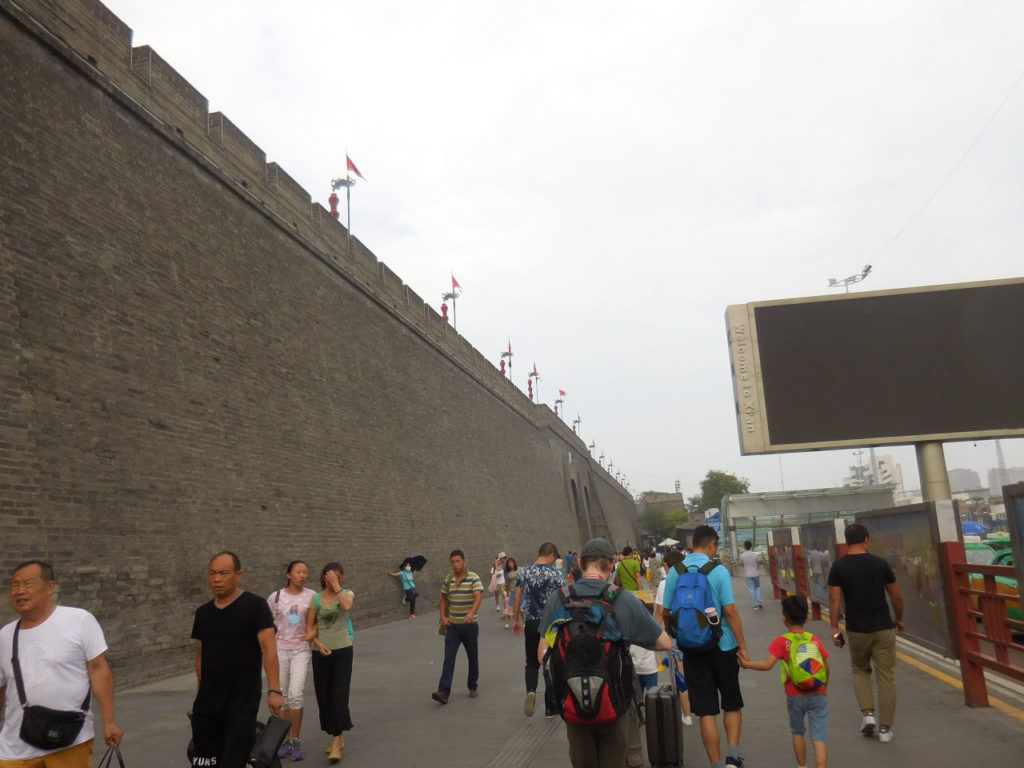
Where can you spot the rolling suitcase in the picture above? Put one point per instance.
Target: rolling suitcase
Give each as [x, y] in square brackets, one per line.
[664, 727]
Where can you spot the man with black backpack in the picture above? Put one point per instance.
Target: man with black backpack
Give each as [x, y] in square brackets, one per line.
[589, 626]
[702, 613]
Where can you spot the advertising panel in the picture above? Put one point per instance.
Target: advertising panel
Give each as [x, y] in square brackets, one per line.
[819, 544]
[785, 559]
[1013, 497]
[907, 538]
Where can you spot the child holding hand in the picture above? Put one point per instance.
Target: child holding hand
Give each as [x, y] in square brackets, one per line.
[804, 673]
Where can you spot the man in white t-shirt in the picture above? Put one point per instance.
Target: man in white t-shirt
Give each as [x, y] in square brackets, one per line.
[61, 656]
[751, 560]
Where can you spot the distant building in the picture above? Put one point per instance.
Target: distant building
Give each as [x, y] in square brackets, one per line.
[964, 480]
[1013, 475]
[888, 473]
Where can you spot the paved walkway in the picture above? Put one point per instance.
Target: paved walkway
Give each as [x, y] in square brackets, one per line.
[397, 724]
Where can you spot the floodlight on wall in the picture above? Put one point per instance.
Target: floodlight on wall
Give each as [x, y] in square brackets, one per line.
[846, 282]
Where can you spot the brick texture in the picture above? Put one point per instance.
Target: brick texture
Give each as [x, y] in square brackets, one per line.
[193, 357]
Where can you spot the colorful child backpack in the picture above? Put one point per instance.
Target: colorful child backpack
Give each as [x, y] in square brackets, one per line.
[806, 666]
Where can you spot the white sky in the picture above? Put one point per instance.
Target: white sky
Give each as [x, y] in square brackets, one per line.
[605, 178]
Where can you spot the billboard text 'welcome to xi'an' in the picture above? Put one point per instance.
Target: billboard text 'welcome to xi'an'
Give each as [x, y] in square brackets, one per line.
[935, 363]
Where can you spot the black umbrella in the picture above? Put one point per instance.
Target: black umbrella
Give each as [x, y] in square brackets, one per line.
[416, 561]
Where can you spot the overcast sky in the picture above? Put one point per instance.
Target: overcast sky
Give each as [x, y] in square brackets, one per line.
[603, 179]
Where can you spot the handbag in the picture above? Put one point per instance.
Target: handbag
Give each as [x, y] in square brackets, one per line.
[41, 726]
[415, 592]
[107, 761]
[268, 741]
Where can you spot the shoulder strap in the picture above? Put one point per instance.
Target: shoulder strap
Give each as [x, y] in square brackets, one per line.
[277, 598]
[20, 683]
[316, 601]
[708, 567]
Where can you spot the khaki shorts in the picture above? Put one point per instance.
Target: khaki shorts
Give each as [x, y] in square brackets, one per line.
[78, 756]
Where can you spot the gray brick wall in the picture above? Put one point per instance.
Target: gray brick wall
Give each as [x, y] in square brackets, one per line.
[192, 360]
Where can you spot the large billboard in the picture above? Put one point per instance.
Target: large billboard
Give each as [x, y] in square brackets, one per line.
[890, 367]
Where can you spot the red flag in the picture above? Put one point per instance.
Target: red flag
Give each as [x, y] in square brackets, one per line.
[455, 283]
[535, 369]
[352, 167]
[561, 392]
[510, 346]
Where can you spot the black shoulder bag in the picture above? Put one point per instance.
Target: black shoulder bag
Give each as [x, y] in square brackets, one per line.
[43, 727]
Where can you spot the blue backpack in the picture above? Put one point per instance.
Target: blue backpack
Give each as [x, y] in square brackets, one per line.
[692, 596]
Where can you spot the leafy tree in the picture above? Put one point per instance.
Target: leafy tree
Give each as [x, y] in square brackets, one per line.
[714, 486]
[660, 522]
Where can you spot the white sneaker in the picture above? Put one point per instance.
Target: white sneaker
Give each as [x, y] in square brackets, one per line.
[867, 725]
[884, 735]
[687, 720]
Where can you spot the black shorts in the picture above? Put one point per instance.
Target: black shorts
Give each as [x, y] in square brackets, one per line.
[710, 675]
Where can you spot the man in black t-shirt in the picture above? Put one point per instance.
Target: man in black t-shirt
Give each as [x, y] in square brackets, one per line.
[862, 580]
[235, 631]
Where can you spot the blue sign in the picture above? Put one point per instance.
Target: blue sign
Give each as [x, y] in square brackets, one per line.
[714, 518]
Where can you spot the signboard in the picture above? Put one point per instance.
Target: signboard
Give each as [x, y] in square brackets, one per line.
[887, 367]
[1013, 497]
[785, 559]
[713, 517]
[907, 537]
[819, 545]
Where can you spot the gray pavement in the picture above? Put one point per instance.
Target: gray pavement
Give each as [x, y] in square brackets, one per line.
[397, 724]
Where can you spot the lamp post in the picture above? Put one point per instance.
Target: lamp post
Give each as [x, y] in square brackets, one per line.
[576, 422]
[451, 296]
[508, 356]
[846, 282]
[535, 378]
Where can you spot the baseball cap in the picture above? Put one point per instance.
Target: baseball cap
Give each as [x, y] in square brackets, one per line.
[597, 548]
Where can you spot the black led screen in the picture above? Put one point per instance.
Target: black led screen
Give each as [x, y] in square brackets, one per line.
[884, 366]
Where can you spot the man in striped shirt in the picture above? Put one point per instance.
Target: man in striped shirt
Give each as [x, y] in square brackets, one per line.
[461, 594]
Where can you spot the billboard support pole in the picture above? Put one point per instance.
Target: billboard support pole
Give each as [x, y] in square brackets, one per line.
[931, 467]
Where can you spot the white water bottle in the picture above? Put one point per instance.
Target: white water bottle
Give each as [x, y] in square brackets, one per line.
[712, 615]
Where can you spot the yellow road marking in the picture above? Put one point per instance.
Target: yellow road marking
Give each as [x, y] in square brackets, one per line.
[1002, 706]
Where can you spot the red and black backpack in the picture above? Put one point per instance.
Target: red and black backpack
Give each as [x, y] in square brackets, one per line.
[590, 662]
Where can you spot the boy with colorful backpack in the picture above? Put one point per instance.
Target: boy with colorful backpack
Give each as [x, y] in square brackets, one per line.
[805, 675]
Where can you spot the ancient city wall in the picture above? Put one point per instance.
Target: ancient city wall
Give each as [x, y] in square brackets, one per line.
[195, 356]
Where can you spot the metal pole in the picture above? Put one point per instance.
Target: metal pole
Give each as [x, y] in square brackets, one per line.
[931, 467]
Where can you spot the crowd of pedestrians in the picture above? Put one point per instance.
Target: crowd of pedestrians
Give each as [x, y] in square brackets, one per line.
[242, 637]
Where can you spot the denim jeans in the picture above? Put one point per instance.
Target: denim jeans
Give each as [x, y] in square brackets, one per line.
[460, 634]
[754, 585]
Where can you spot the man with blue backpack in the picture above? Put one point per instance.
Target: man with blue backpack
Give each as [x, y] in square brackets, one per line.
[701, 614]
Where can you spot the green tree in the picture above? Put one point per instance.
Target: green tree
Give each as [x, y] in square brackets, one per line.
[714, 486]
[653, 521]
[662, 523]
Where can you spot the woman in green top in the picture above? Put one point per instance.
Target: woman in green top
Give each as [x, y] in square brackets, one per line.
[329, 627]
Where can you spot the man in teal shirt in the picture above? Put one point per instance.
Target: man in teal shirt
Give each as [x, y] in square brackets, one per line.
[712, 677]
